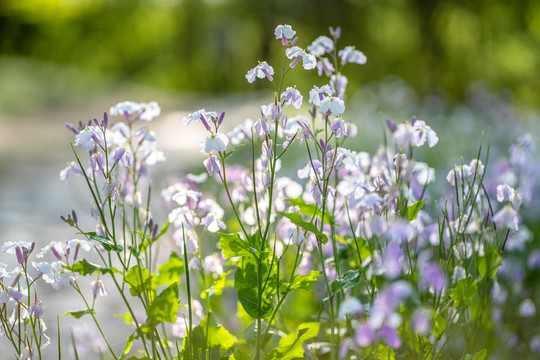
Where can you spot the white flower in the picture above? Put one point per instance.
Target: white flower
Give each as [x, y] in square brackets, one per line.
[351, 55]
[333, 104]
[415, 133]
[507, 217]
[10, 246]
[284, 31]
[89, 137]
[196, 116]
[316, 95]
[260, 71]
[55, 274]
[507, 193]
[143, 111]
[308, 60]
[321, 46]
[214, 142]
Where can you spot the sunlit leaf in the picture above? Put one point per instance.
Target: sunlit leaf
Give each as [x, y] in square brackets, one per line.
[170, 272]
[290, 347]
[464, 292]
[297, 220]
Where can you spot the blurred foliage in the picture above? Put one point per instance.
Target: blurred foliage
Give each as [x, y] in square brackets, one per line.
[208, 45]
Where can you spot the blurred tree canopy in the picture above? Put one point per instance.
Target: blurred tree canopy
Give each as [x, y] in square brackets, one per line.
[208, 45]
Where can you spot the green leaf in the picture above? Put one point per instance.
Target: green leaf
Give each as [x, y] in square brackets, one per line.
[127, 318]
[290, 347]
[77, 314]
[349, 280]
[412, 210]
[230, 152]
[297, 220]
[464, 292]
[489, 263]
[138, 279]
[107, 243]
[211, 336]
[232, 245]
[84, 268]
[239, 355]
[480, 355]
[250, 333]
[311, 210]
[439, 324]
[217, 287]
[169, 273]
[164, 307]
[301, 282]
[245, 282]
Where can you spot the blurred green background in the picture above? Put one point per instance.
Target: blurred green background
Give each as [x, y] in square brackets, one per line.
[74, 47]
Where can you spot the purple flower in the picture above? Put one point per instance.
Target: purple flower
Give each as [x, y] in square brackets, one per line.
[434, 277]
[390, 335]
[72, 168]
[324, 65]
[421, 321]
[98, 288]
[340, 127]
[212, 165]
[365, 335]
[338, 83]
[260, 71]
[393, 260]
[292, 96]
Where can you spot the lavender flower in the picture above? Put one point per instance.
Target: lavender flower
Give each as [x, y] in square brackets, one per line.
[260, 71]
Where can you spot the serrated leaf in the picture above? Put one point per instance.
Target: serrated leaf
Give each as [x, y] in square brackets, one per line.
[302, 282]
[77, 314]
[107, 243]
[169, 273]
[290, 347]
[464, 292]
[232, 245]
[84, 268]
[138, 279]
[412, 210]
[311, 210]
[489, 263]
[297, 220]
[164, 307]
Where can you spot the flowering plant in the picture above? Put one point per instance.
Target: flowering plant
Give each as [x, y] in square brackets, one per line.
[382, 266]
